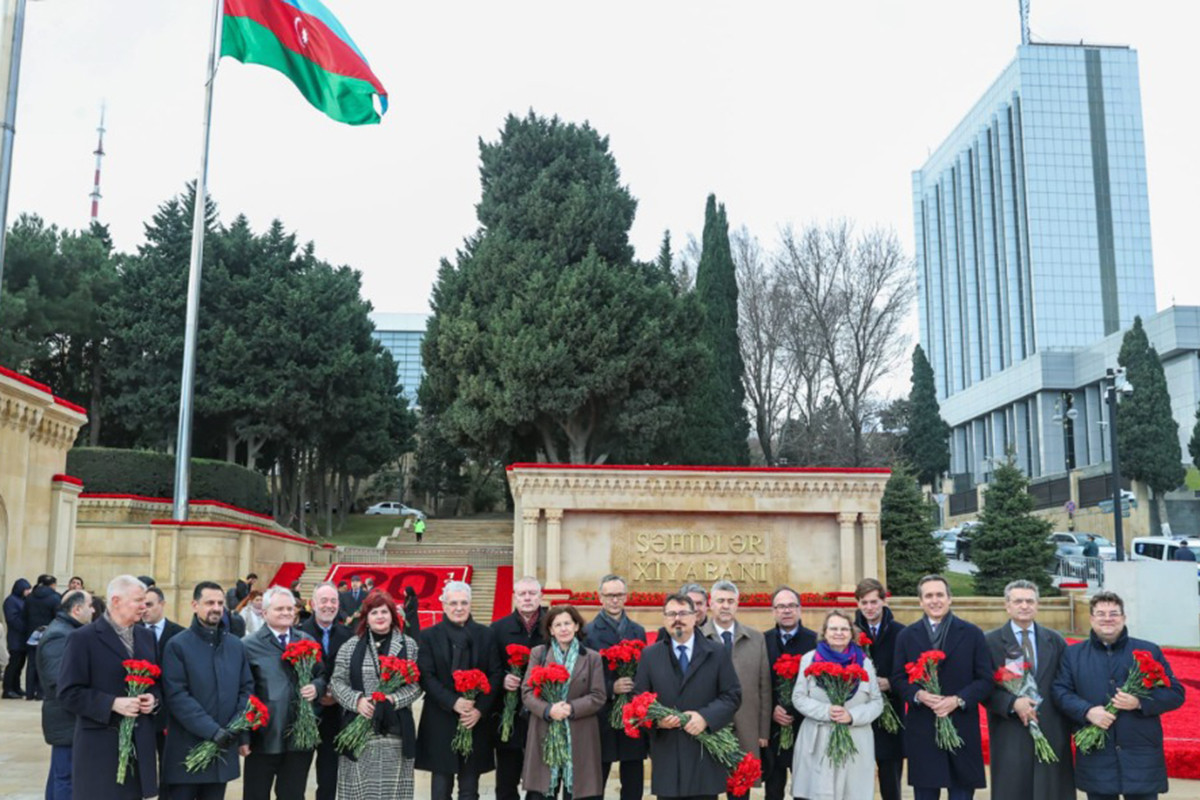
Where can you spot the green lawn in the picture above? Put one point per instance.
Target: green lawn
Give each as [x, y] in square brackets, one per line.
[363, 531]
[961, 585]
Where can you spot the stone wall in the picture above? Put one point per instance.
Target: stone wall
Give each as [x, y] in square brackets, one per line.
[659, 527]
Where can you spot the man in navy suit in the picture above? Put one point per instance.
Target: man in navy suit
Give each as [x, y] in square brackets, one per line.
[966, 681]
[91, 685]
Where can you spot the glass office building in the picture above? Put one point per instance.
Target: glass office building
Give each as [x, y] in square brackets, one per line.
[1032, 237]
[401, 334]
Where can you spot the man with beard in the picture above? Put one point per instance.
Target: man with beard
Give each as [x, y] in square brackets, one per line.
[523, 627]
[611, 626]
[966, 681]
[58, 724]
[323, 627]
[1132, 761]
[875, 619]
[696, 676]
[456, 643]
[787, 637]
[91, 685]
[207, 683]
[1031, 650]
[699, 599]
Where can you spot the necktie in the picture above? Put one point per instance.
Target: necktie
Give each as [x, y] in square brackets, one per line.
[874, 632]
[728, 637]
[1027, 648]
[325, 639]
[283, 640]
[683, 658]
[784, 638]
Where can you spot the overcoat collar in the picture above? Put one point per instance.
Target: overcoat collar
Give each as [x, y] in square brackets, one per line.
[108, 634]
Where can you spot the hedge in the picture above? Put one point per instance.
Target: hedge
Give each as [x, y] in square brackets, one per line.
[112, 470]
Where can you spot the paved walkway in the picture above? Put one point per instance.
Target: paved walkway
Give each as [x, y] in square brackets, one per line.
[24, 759]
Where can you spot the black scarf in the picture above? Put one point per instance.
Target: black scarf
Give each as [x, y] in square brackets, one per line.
[937, 636]
[387, 719]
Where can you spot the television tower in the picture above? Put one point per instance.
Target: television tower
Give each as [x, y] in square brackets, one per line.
[99, 156]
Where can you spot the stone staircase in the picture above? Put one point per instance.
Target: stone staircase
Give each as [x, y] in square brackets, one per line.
[484, 543]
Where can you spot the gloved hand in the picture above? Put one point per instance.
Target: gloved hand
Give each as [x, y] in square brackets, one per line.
[223, 738]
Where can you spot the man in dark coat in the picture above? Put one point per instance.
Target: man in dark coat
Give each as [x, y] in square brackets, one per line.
[352, 599]
[155, 620]
[696, 676]
[1016, 772]
[524, 627]
[966, 681]
[787, 637]
[91, 685]
[58, 724]
[273, 760]
[15, 635]
[323, 626]
[1132, 761]
[875, 619]
[40, 609]
[613, 625]
[206, 684]
[456, 643]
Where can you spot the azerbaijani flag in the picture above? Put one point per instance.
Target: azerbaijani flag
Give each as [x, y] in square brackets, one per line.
[301, 39]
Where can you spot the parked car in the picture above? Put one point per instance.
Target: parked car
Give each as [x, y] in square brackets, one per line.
[392, 508]
[955, 543]
[1071, 543]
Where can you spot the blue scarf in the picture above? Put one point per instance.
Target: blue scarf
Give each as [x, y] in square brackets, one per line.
[853, 654]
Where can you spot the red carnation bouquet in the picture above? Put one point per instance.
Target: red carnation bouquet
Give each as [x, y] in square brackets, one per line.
[622, 658]
[889, 720]
[839, 683]
[139, 677]
[1147, 675]
[549, 682]
[518, 659]
[303, 655]
[470, 683]
[1017, 677]
[254, 717]
[786, 670]
[923, 672]
[643, 710]
[394, 674]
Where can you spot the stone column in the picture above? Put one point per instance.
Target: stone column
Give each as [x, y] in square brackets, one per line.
[870, 540]
[846, 524]
[529, 526]
[554, 548]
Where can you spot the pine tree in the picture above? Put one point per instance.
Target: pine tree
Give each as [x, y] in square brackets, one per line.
[1194, 443]
[906, 524]
[718, 425]
[926, 442]
[1147, 433]
[1011, 542]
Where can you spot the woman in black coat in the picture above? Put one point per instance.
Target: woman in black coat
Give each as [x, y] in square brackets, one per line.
[15, 634]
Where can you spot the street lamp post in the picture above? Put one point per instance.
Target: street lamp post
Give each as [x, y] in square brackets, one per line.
[1116, 385]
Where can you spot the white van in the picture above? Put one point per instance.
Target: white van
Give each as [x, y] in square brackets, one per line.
[1163, 548]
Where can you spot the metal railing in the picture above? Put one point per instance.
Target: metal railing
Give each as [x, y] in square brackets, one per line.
[1080, 568]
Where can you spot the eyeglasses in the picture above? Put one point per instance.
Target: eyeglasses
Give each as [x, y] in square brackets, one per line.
[786, 606]
[677, 614]
[1107, 614]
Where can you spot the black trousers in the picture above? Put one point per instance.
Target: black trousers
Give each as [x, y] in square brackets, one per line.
[633, 778]
[565, 796]
[195, 791]
[287, 772]
[509, 763]
[33, 687]
[327, 768]
[12, 672]
[775, 772]
[890, 772]
[442, 785]
[1095, 796]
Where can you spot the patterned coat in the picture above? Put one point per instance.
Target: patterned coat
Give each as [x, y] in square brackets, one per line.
[381, 772]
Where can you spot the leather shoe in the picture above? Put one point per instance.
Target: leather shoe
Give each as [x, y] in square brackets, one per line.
[13, 696]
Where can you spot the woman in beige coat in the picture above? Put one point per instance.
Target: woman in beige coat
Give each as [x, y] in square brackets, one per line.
[562, 627]
[815, 776]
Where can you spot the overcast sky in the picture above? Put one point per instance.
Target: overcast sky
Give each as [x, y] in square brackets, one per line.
[789, 111]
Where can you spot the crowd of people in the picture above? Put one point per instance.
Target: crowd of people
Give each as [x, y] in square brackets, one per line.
[490, 702]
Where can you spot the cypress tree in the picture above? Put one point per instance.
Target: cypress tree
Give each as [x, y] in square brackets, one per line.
[717, 421]
[1011, 542]
[1147, 433]
[1194, 442]
[926, 442]
[906, 524]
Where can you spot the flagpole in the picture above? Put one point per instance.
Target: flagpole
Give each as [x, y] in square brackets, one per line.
[11, 52]
[183, 440]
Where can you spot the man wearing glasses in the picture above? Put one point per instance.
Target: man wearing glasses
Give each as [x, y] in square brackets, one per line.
[696, 676]
[1026, 648]
[524, 627]
[1132, 762]
[613, 625]
[788, 637]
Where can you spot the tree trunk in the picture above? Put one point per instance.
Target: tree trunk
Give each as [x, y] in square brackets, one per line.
[231, 443]
[1160, 499]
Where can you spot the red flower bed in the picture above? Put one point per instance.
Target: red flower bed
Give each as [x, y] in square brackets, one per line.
[748, 600]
